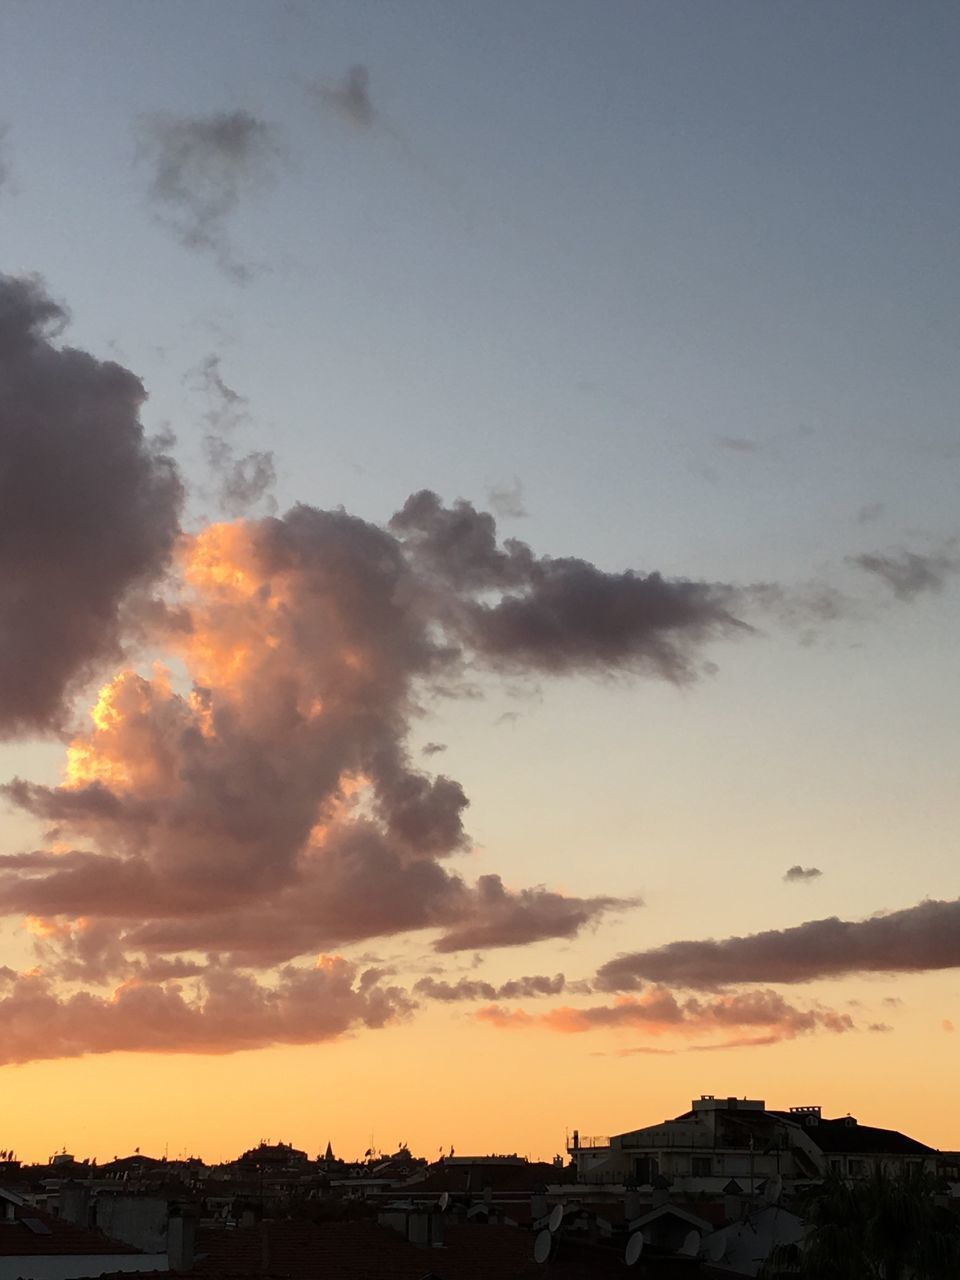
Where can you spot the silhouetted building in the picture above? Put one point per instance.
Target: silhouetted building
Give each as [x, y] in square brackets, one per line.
[731, 1146]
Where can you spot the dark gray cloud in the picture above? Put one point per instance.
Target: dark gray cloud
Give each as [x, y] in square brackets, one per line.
[913, 940]
[465, 989]
[503, 918]
[909, 574]
[796, 873]
[349, 98]
[433, 748]
[88, 508]
[558, 615]
[201, 169]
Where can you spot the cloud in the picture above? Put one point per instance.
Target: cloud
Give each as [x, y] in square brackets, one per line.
[738, 444]
[871, 512]
[913, 940]
[909, 574]
[241, 482]
[558, 615]
[797, 874]
[432, 748]
[257, 802]
[350, 98]
[507, 500]
[473, 989]
[273, 810]
[506, 1019]
[230, 1011]
[202, 167]
[658, 1011]
[503, 918]
[227, 409]
[4, 166]
[89, 509]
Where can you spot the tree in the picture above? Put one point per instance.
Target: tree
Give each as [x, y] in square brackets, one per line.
[885, 1227]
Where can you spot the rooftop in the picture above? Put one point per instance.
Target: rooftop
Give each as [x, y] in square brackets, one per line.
[37, 1234]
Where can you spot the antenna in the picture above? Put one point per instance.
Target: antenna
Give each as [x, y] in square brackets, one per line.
[443, 1204]
[634, 1249]
[773, 1189]
[691, 1244]
[556, 1217]
[542, 1247]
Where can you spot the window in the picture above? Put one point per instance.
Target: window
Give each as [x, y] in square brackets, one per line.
[836, 1166]
[855, 1168]
[700, 1166]
[645, 1169]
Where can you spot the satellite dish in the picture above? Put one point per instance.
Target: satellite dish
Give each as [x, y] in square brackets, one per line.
[542, 1247]
[691, 1244]
[444, 1202]
[634, 1249]
[556, 1217]
[773, 1189]
[715, 1247]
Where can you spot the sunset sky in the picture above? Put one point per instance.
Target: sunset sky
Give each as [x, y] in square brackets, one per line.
[479, 561]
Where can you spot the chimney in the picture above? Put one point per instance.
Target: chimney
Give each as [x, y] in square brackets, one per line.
[73, 1204]
[633, 1205]
[425, 1230]
[181, 1233]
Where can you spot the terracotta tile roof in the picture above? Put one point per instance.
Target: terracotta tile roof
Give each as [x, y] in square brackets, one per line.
[366, 1251]
[501, 1177]
[17, 1239]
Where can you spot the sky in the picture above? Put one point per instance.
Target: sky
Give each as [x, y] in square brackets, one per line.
[478, 563]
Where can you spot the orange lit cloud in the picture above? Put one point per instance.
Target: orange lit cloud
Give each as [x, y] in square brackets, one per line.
[658, 1012]
[231, 1011]
[245, 796]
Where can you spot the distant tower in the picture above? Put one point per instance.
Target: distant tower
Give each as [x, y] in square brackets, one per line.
[328, 1154]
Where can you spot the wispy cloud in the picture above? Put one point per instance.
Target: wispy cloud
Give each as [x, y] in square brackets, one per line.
[738, 444]
[4, 163]
[506, 500]
[909, 574]
[349, 97]
[242, 481]
[201, 169]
